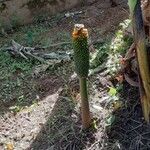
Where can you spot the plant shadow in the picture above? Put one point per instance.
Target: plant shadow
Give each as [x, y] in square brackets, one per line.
[30, 91]
[129, 131]
[63, 129]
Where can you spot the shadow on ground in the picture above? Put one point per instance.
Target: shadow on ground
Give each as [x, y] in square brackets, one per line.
[32, 91]
[129, 132]
[63, 129]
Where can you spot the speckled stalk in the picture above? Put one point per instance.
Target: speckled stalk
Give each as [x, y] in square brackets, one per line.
[81, 59]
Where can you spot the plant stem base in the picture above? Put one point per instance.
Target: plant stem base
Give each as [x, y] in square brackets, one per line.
[86, 118]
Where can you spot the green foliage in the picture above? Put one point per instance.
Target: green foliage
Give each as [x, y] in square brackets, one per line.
[94, 124]
[112, 91]
[9, 65]
[110, 120]
[132, 4]
[100, 55]
[113, 96]
[113, 101]
[110, 52]
[119, 87]
[30, 37]
[13, 73]
[118, 47]
[15, 109]
[20, 105]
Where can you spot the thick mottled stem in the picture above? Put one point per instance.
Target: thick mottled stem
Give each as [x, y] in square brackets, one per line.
[81, 59]
[86, 118]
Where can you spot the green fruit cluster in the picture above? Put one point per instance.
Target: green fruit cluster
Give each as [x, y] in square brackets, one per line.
[81, 56]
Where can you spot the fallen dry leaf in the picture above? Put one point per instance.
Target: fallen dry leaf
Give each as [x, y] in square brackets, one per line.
[119, 78]
[9, 146]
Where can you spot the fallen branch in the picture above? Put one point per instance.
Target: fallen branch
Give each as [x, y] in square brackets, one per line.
[29, 52]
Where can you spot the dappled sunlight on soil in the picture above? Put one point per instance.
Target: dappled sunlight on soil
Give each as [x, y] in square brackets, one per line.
[21, 129]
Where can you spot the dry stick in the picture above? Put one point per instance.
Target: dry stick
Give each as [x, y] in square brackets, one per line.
[26, 51]
[36, 57]
[130, 81]
[142, 58]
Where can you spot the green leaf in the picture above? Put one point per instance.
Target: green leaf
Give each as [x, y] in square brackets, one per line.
[15, 108]
[110, 120]
[132, 4]
[95, 125]
[112, 91]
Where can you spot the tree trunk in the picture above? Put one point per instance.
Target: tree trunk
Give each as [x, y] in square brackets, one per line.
[142, 58]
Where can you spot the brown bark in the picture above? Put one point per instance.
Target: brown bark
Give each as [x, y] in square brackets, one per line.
[142, 57]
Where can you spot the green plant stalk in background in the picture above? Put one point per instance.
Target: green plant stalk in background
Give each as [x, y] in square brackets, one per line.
[81, 59]
[142, 57]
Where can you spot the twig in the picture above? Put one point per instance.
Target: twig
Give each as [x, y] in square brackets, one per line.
[135, 128]
[94, 144]
[36, 57]
[24, 52]
[130, 81]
